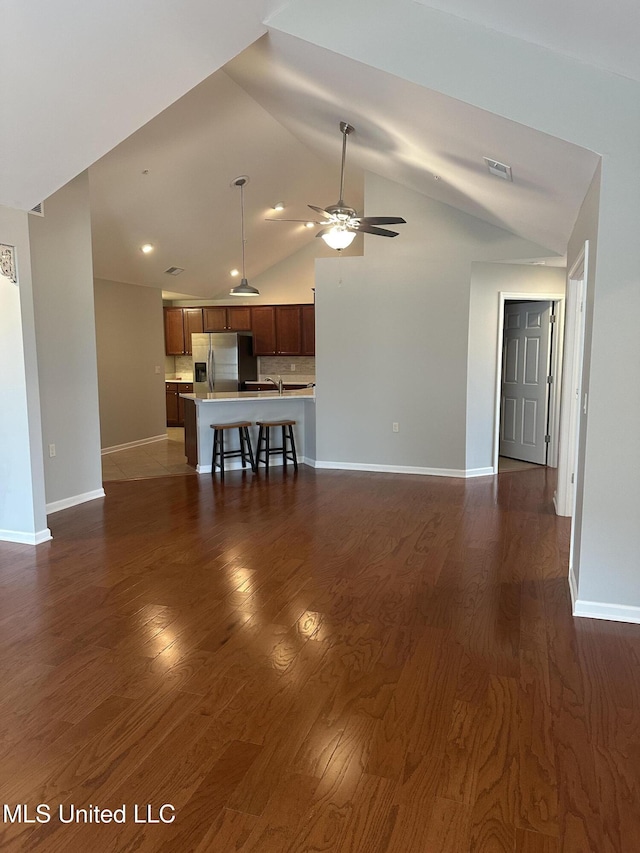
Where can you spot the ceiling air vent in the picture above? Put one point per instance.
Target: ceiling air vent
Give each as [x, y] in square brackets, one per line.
[174, 270]
[500, 170]
[38, 210]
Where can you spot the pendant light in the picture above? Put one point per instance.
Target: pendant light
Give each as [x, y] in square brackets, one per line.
[244, 288]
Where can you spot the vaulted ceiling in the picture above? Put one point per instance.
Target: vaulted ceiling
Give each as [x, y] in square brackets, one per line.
[270, 110]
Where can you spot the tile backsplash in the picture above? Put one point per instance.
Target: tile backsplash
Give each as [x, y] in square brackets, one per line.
[178, 365]
[276, 365]
[280, 365]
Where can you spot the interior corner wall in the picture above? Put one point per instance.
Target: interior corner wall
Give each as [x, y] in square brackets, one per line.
[487, 282]
[63, 300]
[22, 490]
[392, 332]
[130, 343]
[585, 228]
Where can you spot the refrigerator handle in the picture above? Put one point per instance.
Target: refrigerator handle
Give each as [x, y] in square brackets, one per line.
[211, 371]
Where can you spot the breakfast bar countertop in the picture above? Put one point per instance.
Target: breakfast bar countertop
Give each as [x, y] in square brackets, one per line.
[201, 410]
[249, 396]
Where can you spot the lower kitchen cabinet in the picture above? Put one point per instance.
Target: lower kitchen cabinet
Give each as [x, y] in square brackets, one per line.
[175, 403]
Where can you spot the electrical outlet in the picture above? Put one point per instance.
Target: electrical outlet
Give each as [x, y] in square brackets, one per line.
[157, 369]
[52, 451]
[293, 368]
[396, 427]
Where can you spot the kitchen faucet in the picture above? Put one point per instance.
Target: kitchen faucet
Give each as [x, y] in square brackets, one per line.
[278, 384]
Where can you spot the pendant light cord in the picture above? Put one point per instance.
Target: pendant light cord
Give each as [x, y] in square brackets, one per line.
[242, 224]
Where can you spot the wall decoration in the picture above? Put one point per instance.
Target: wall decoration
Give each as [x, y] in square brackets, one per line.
[8, 262]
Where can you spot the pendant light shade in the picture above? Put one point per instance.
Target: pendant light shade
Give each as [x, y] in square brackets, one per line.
[244, 288]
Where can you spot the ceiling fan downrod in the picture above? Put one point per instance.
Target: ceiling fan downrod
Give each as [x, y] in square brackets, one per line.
[345, 129]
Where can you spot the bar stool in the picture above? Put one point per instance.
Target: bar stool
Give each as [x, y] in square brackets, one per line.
[220, 454]
[264, 448]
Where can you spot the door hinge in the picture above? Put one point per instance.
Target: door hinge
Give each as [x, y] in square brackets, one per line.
[547, 439]
[549, 380]
[573, 476]
[552, 318]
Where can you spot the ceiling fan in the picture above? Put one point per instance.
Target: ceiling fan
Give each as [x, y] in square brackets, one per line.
[341, 223]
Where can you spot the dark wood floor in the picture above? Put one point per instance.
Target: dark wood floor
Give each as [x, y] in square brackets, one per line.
[355, 663]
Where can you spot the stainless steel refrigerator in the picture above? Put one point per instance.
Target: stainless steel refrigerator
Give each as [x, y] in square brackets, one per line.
[222, 361]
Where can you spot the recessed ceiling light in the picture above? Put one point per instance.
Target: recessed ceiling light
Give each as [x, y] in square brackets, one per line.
[309, 224]
[279, 205]
[146, 248]
[234, 273]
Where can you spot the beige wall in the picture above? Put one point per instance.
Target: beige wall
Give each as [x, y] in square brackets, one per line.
[62, 266]
[130, 340]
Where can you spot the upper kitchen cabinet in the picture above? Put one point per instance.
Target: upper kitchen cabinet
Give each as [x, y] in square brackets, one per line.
[231, 318]
[308, 313]
[263, 325]
[283, 329]
[179, 325]
[288, 330]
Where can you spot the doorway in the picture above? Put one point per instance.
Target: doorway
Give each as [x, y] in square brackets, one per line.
[528, 378]
[526, 366]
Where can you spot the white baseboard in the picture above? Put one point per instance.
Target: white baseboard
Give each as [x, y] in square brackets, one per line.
[404, 469]
[573, 589]
[65, 503]
[26, 538]
[139, 443]
[602, 610]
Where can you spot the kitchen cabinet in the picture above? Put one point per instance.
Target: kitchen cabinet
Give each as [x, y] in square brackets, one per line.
[277, 329]
[263, 326]
[192, 324]
[308, 313]
[179, 325]
[269, 386]
[283, 329]
[231, 318]
[288, 330]
[175, 403]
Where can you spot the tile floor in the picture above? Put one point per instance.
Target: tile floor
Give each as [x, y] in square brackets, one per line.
[166, 458]
[160, 459]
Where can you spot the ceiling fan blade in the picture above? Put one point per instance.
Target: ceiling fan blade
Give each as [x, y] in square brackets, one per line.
[371, 229]
[382, 220]
[321, 211]
[315, 222]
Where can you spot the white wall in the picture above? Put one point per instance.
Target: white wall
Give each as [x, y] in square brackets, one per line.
[487, 282]
[392, 335]
[130, 342]
[289, 281]
[586, 228]
[63, 300]
[22, 500]
[583, 105]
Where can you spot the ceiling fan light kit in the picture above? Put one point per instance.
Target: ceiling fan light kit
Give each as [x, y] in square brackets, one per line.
[338, 237]
[341, 223]
[244, 288]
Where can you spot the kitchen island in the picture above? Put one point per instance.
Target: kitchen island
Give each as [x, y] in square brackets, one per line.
[202, 410]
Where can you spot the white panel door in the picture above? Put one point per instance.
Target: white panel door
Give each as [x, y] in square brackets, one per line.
[525, 367]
